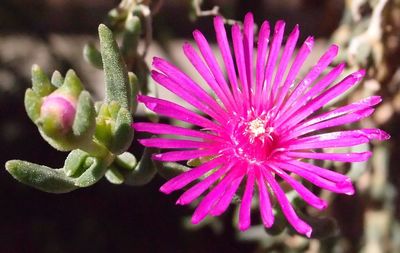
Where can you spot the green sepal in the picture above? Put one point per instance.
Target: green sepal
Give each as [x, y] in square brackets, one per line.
[96, 168]
[72, 85]
[32, 103]
[170, 170]
[145, 170]
[122, 132]
[62, 143]
[114, 176]
[92, 56]
[40, 177]
[134, 83]
[57, 79]
[40, 82]
[85, 116]
[116, 75]
[73, 165]
[126, 161]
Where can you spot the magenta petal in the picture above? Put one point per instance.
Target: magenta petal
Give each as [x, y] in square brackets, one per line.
[212, 198]
[187, 177]
[287, 209]
[245, 206]
[174, 156]
[340, 157]
[267, 215]
[196, 190]
[172, 143]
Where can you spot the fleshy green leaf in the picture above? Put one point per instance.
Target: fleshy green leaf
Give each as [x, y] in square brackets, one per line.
[40, 177]
[57, 79]
[116, 75]
[92, 56]
[85, 117]
[144, 171]
[126, 161]
[96, 170]
[40, 82]
[114, 176]
[122, 132]
[72, 84]
[73, 165]
[32, 104]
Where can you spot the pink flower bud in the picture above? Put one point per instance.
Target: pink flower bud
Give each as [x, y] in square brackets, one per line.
[57, 115]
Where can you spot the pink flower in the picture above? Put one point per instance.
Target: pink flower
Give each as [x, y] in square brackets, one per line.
[263, 123]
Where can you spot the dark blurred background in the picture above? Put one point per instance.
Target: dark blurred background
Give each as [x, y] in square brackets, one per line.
[105, 217]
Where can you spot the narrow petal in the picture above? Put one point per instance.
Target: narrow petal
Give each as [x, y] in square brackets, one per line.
[303, 192]
[198, 189]
[267, 215]
[237, 39]
[188, 96]
[160, 128]
[212, 63]
[186, 83]
[344, 186]
[226, 198]
[313, 169]
[227, 57]
[340, 157]
[248, 44]
[212, 197]
[271, 61]
[339, 121]
[172, 143]
[187, 177]
[338, 139]
[321, 65]
[263, 40]
[286, 207]
[301, 56]
[174, 156]
[321, 100]
[245, 206]
[350, 108]
[173, 110]
[284, 61]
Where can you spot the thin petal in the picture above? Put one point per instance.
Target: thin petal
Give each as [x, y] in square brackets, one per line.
[174, 156]
[285, 60]
[237, 39]
[340, 157]
[205, 49]
[344, 186]
[187, 177]
[321, 65]
[267, 215]
[248, 44]
[172, 143]
[227, 57]
[186, 83]
[160, 128]
[301, 56]
[338, 139]
[271, 61]
[212, 197]
[245, 206]
[196, 190]
[286, 207]
[173, 110]
[263, 40]
[188, 96]
[303, 192]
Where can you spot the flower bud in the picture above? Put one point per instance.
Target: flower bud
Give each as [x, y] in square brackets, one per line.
[57, 115]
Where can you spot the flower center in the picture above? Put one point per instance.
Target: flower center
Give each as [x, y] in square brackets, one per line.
[254, 140]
